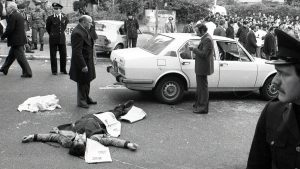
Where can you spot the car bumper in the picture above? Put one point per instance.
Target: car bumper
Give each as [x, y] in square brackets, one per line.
[124, 80]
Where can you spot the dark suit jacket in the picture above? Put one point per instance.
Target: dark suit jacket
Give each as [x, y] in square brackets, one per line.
[251, 42]
[230, 32]
[269, 44]
[219, 31]
[188, 29]
[15, 32]
[130, 27]
[56, 29]
[242, 34]
[204, 59]
[82, 55]
[276, 142]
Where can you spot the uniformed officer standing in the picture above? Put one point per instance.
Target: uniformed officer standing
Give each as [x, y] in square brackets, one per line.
[38, 23]
[276, 142]
[56, 25]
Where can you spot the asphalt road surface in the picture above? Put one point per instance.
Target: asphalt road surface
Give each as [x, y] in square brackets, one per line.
[170, 137]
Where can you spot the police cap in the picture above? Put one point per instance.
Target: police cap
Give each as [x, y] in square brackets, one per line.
[288, 49]
[56, 5]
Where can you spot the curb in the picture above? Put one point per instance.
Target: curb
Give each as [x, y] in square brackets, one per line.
[36, 57]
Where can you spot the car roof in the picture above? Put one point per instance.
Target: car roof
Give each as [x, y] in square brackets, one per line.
[194, 36]
[113, 22]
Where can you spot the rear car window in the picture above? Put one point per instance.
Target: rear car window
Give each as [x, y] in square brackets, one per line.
[157, 44]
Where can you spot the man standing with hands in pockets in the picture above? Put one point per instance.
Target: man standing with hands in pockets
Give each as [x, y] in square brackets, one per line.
[82, 68]
[204, 65]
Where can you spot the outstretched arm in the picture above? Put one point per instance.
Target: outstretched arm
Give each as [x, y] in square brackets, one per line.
[111, 141]
[51, 137]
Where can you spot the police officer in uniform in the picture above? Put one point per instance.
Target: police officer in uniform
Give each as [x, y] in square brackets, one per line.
[38, 23]
[276, 142]
[56, 25]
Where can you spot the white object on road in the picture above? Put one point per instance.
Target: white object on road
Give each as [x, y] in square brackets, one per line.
[134, 114]
[40, 103]
[113, 126]
[96, 152]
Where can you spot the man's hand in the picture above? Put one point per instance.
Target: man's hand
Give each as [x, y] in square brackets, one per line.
[85, 69]
[27, 139]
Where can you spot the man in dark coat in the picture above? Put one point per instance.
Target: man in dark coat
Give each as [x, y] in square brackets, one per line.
[131, 27]
[251, 45]
[16, 39]
[56, 25]
[276, 142]
[270, 44]
[230, 30]
[242, 33]
[82, 68]
[220, 30]
[188, 28]
[204, 65]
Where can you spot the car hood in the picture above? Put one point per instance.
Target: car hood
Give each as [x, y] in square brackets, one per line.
[260, 60]
[129, 54]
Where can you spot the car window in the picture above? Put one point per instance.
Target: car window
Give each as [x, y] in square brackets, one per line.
[100, 27]
[157, 44]
[122, 30]
[185, 52]
[231, 51]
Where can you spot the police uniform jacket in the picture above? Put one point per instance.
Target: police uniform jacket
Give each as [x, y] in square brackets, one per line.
[204, 59]
[82, 55]
[15, 32]
[56, 29]
[276, 142]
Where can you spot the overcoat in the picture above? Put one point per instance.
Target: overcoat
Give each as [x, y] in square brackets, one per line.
[276, 142]
[269, 44]
[15, 30]
[251, 42]
[204, 59]
[82, 55]
[56, 29]
[130, 27]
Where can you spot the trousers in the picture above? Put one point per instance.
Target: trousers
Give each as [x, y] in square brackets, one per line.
[202, 94]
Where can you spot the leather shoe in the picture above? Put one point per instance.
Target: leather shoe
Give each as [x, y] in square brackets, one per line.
[3, 71]
[83, 106]
[26, 76]
[91, 102]
[64, 72]
[54, 73]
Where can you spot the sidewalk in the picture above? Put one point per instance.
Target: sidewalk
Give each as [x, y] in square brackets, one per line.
[41, 55]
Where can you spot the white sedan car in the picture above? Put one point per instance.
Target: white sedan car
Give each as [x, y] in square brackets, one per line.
[165, 65]
[111, 36]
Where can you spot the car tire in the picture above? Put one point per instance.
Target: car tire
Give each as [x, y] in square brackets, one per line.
[268, 91]
[169, 90]
[119, 46]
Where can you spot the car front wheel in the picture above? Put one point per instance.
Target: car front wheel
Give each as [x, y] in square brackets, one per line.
[119, 46]
[269, 91]
[169, 90]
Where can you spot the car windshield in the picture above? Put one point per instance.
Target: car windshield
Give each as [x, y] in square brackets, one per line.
[157, 44]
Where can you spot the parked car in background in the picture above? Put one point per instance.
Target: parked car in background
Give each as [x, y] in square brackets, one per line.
[111, 36]
[165, 65]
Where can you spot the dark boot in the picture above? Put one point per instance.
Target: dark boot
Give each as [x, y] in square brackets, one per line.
[35, 46]
[42, 47]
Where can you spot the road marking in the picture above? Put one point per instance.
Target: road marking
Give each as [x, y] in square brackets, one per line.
[112, 87]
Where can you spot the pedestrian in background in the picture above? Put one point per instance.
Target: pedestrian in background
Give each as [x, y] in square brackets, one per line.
[242, 33]
[82, 68]
[230, 30]
[276, 139]
[269, 47]
[38, 24]
[188, 28]
[204, 66]
[251, 45]
[16, 39]
[56, 25]
[131, 27]
[170, 26]
[220, 30]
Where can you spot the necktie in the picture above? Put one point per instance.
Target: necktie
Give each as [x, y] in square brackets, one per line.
[172, 31]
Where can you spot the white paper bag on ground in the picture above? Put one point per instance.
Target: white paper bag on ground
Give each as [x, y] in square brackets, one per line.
[96, 152]
[113, 126]
[40, 103]
[134, 114]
